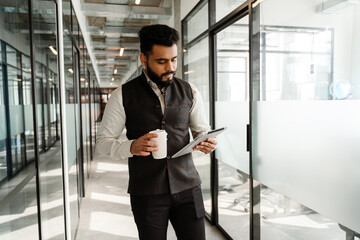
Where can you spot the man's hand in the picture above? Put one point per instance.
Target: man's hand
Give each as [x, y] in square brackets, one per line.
[143, 146]
[206, 146]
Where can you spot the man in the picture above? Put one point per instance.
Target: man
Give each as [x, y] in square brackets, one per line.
[160, 189]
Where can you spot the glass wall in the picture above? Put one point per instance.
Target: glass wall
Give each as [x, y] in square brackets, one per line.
[30, 151]
[48, 111]
[196, 71]
[18, 206]
[286, 84]
[223, 8]
[197, 24]
[305, 124]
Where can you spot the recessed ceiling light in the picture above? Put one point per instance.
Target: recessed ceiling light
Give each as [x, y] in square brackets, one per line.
[121, 51]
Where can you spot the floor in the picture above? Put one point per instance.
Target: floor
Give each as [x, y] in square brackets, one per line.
[105, 211]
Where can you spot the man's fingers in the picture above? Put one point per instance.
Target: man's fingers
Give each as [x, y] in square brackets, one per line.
[150, 149]
[151, 143]
[149, 136]
[208, 144]
[212, 140]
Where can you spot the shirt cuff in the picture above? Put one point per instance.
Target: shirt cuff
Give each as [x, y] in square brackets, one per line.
[124, 149]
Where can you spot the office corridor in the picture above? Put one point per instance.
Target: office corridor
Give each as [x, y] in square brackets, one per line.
[105, 211]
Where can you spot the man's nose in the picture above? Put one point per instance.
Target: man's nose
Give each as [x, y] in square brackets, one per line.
[170, 66]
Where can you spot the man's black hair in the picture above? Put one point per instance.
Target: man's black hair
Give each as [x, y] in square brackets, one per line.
[157, 34]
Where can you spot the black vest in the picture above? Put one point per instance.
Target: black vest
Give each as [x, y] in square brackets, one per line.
[149, 176]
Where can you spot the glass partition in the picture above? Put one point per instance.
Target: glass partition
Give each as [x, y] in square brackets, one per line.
[223, 8]
[18, 217]
[51, 179]
[18, 209]
[305, 122]
[197, 24]
[197, 72]
[232, 111]
[71, 124]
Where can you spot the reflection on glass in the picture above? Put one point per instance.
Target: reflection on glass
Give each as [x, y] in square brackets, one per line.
[233, 201]
[50, 150]
[232, 111]
[284, 218]
[16, 161]
[197, 73]
[18, 218]
[3, 129]
[296, 63]
[197, 24]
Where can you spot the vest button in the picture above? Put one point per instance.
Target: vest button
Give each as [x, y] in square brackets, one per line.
[168, 157]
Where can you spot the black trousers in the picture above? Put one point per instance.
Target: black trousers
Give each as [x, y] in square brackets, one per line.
[185, 210]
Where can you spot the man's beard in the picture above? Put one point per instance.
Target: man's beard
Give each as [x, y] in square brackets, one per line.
[158, 79]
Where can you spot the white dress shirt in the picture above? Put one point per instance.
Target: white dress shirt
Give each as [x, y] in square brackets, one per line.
[108, 140]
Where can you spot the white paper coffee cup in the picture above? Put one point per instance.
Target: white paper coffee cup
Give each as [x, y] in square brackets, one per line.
[161, 140]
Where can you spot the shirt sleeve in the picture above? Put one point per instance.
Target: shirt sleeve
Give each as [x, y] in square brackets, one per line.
[198, 120]
[108, 140]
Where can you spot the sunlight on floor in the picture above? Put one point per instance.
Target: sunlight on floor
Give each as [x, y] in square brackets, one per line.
[110, 198]
[112, 223]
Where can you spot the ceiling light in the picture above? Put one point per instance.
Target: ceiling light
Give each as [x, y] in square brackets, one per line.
[112, 79]
[17, 79]
[50, 79]
[121, 51]
[115, 71]
[70, 71]
[137, 2]
[53, 50]
[82, 79]
[334, 6]
[111, 83]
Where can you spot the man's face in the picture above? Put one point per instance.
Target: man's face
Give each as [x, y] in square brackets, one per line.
[161, 64]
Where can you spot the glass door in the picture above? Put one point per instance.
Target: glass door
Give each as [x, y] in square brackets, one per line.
[232, 111]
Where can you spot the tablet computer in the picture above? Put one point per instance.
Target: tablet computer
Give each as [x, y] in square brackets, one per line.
[189, 147]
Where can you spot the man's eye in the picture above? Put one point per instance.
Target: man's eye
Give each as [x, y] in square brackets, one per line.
[161, 62]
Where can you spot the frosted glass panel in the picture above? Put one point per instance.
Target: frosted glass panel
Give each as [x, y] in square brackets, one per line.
[310, 152]
[52, 112]
[2, 121]
[28, 110]
[232, 143]
[71, 136]
[16, 119]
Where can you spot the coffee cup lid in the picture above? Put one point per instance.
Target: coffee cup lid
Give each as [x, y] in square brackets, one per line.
[159, 131]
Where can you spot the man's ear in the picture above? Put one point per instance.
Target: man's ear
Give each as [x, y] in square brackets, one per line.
[143, 59]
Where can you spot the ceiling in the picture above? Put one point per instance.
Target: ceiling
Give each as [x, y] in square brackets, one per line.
[115, 23]
[110, 24]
